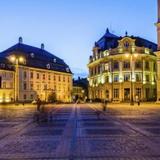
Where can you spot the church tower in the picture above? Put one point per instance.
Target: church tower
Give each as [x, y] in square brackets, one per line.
[158, 52]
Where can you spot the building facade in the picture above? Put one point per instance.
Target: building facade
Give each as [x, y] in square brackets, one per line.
[35, 72]
[122, 69]
[80, 89]
[158, 53]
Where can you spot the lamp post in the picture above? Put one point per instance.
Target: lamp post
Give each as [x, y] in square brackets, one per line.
[16, 60]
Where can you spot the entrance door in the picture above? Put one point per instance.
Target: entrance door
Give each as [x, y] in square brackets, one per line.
[126, 94]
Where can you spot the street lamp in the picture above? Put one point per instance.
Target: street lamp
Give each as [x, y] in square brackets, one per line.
[15, 59]
[131, 70]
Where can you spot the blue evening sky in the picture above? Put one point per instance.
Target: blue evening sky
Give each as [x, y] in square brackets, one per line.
[69, 28]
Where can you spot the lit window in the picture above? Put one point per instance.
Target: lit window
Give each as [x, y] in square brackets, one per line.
[116, 78]
[116, 93]
[126, 77]
[126, 64]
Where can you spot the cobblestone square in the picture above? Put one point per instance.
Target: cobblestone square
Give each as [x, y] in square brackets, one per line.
[123, 132]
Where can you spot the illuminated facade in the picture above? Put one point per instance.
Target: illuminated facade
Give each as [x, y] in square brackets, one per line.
[35, 72]
[158, 53]
[122, 69]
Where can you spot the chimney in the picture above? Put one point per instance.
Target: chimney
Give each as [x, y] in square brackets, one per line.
[20, 40]
[42, 46]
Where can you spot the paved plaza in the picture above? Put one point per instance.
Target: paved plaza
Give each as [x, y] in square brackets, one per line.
[75, 132]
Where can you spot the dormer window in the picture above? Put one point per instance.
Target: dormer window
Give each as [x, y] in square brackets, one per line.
[126, 44]
[54, 60]
[48, 66]
[67, 69]
[32, 55]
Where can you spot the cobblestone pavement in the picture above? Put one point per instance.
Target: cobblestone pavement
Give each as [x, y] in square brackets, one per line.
[76, 132]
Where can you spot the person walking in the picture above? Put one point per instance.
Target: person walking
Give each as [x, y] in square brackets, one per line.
[104, 105]
[38, 104]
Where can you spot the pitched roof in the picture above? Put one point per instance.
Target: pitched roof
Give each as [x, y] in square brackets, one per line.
[37, 57]
[109, 40]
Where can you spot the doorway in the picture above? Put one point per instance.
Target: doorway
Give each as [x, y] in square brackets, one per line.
[126, 94]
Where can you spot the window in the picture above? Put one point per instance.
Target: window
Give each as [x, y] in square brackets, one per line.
[32, 55]
[138, 92]
[116, 78]
[48, 66]
[37, 75]
[126, 64]
[49, 77]
[106, 67]
[138, 64]
[116, 65]
[38, 87]
[54, 60]
[24, 86]
[107, 79]
[43, 76]
[24, 96]
[59, 78]
[147, 78]
[126, 77]
[146, 65]
[31, 87]
[25, 75]
[138, 77]
[54, 77]
[63, 78]
[31, 74]
[45, 86]
[31, 96]
[4, 84]
[126, 44]
[116, 93]
[67, 69]
[154, 66]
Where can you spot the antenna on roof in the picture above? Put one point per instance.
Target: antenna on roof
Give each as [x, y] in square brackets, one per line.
[20, 40]
[42, 46]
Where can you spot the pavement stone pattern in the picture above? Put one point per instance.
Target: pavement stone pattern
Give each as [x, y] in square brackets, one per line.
[123, 132]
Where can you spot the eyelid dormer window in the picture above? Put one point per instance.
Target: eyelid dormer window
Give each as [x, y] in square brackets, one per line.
[48, 66]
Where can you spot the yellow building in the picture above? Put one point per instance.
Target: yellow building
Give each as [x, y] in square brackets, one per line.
[6, 81]
[122, 69]
[37, 73]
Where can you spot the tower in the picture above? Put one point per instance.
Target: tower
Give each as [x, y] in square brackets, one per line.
[158, 52]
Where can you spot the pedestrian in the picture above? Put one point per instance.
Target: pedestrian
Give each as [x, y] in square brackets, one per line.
[137, 100]
[38, 104]
[104, 105]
